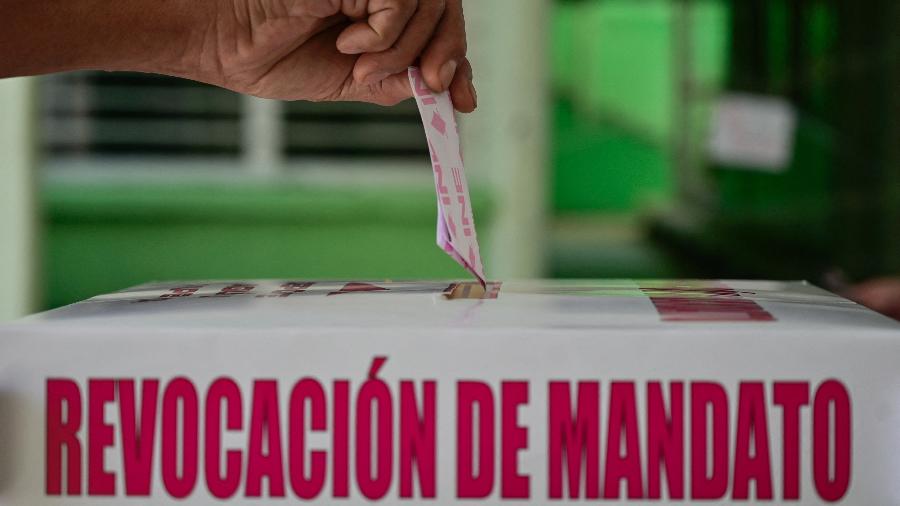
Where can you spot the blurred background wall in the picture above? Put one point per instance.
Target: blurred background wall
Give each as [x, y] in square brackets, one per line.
[615, 138]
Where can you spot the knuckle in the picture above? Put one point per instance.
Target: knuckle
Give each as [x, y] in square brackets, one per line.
[353, 8]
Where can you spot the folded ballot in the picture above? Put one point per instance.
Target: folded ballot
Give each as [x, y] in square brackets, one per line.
[455, 222]
[286, 392]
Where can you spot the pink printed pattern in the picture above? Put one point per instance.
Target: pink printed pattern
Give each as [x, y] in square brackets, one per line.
[456, 225]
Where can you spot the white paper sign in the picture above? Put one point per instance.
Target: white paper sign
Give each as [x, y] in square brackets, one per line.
[753, 132]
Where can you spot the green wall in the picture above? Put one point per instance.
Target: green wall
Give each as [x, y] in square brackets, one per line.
[614, 81]
[102, 238]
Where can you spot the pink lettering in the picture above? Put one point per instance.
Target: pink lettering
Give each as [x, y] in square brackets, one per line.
[831, 398]
[418, 439]
[515, 438]
[264, 459]
[100, 436]
[137, 440]
[709, 483]
[578, 440]
[306, 486]
[63, 396]
[665, 440]
[623, 432]
[223, 391]
[180, 391]
[791, 397]
[472, 395]
[752, 424]
[374, 483]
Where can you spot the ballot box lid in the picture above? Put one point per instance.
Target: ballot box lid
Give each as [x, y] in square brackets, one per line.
[561, 305]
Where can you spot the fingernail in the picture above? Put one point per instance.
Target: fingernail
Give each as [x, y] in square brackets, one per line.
[448, 71]
[474, 93]
[348, 47]
[376, 77]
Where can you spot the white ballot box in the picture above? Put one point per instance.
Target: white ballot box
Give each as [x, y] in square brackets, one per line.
[643, 392]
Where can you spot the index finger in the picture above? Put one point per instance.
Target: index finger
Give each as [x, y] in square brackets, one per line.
[381, 24]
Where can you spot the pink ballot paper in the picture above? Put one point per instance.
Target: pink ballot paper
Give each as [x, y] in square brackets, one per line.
[455, 224]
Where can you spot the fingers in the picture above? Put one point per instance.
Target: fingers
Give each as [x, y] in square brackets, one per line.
[382, 23]
[462, 90]
[436, 35]
[444, 62]
[374, 67]
[396, 88]
[433, 32]
[445, 53]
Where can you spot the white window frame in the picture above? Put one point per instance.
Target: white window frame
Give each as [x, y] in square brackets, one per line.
[18, 216]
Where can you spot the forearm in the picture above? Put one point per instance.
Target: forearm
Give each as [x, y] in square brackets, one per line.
[278, 49]
[161, 36]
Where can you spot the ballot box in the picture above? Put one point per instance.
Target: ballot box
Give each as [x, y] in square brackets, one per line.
[644, 392]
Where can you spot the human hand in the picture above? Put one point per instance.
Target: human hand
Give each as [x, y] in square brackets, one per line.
[353, 50]
[338, 50]
[882, 295]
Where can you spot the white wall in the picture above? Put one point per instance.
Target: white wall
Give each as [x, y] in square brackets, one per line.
[506, 140]
[18, 220]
